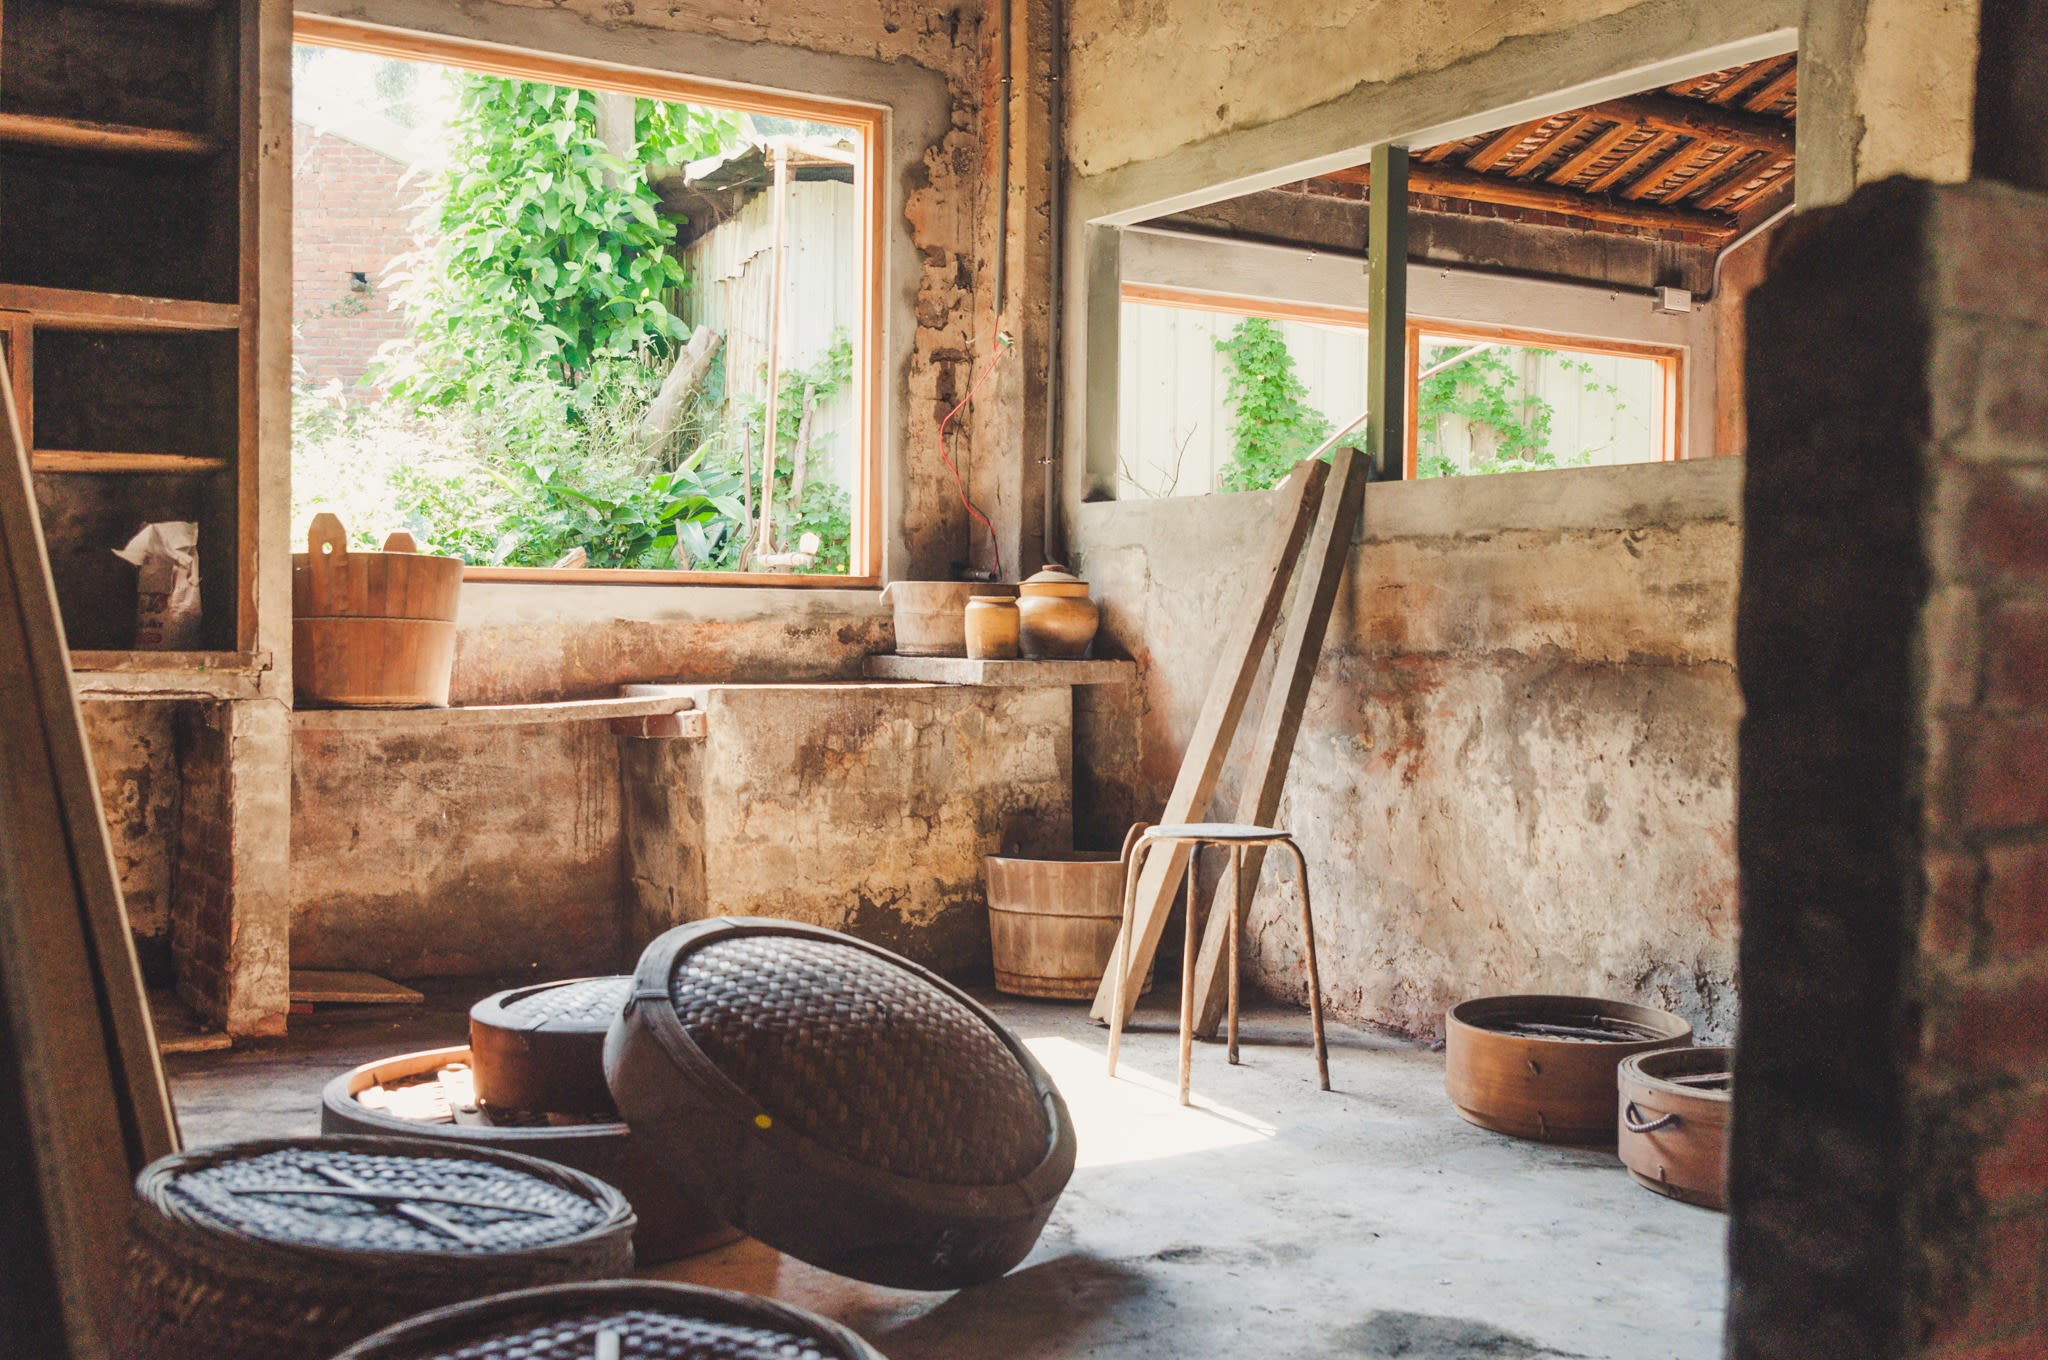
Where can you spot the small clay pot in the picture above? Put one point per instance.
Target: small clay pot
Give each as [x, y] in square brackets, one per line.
[992, 628]
[1058, 619]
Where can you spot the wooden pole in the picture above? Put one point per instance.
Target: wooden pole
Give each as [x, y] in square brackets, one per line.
[1294, 672]
[1243, 650]
[1386, 341]
[776, 276]
[2012, 94]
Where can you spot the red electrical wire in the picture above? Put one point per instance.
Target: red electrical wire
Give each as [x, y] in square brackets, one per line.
[1000, 349]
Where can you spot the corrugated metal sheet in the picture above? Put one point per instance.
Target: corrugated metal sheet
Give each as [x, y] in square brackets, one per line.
[731, 269]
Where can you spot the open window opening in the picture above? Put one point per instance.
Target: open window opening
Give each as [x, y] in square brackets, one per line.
[568, 322]
[1575, 285]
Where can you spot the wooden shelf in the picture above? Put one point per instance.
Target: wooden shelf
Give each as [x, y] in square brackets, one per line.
[79, 310]
[74, 460]
[959, 670]
[168, 675]
[77, 134]
[493, 715]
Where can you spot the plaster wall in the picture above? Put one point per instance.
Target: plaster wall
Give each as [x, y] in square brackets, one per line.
[134, 748]
[1515, 769]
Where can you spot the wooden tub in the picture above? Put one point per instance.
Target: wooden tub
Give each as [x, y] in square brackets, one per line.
[1543, 1067]
[1052, 920]
[1674, 1122]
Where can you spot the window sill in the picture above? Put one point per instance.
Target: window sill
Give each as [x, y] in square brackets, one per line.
[622, 576]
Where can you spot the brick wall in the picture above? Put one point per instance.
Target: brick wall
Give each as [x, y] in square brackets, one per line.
[350, 216]
[202, 903]
[1889, 1157]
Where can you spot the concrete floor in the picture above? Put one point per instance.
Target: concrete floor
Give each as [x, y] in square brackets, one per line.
[1272, 1222]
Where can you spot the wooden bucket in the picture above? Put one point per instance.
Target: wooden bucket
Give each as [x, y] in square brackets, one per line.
[1674, 1122]
[1543, 1067]
[372, 629]
[1052, 920]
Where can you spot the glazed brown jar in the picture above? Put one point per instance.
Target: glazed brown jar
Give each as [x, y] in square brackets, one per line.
[1058, 619]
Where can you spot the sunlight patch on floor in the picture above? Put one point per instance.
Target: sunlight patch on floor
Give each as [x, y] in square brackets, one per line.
[1137, 1117]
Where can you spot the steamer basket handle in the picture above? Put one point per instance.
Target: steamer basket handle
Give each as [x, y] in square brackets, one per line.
[400, 541]
[1632, 1119]
[326, 552]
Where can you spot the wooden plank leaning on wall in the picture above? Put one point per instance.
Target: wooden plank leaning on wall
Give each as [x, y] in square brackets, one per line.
[83, 1104]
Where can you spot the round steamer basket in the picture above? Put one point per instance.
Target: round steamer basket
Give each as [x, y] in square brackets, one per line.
[1543, 1067]
[648, 1321]
[542, 1048]
[290, 1249]
[1674, 1122]
[409, 1100]
[840, 1103]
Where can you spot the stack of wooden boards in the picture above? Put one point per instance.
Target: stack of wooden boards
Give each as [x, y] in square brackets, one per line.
[1320, 506]
[83, 1105]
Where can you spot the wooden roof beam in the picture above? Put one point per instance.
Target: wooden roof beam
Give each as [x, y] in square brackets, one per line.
[1448, 183]
[1694, 118]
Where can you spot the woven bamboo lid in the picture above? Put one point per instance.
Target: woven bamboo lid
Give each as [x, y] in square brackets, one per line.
[629, 1319]
[840, 1103]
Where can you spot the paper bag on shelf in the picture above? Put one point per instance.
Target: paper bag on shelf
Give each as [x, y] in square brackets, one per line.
[167, 594]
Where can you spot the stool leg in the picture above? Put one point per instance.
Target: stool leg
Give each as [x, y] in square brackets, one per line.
[1123, 956]
[1236, 905]
[1315, 986]
[1187, 979]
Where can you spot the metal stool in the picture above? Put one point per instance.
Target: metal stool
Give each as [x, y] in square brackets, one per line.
[1238, 838]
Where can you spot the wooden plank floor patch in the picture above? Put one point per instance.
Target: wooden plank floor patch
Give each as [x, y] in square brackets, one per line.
[316, 987]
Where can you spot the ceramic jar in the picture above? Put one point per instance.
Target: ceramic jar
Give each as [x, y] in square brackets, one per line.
[992, 628]
[1058, 619]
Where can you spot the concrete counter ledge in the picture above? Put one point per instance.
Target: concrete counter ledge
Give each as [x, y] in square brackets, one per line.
[630, 708]
[960, 670]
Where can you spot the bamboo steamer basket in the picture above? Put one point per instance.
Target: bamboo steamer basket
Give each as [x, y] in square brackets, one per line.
[1053, 920]
[1504, 1072]
[426, 1095]
[1674, 1122]
[372, 629]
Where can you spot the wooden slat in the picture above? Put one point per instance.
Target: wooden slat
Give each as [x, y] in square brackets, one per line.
[1528, 164]
[1632, 162]
[1440, 151]
[1781, 85]
[83, 1072]
[1657, 176]
[1707, 122]
[1772, 198]
[1237, 666]
[18, 330]
[77, 134]
[76, 309]
[1449, 183]
[1272, 750]
[1502, 143]
[1731, 182]
[1591, 153]
[1748, 80]
[85, 460]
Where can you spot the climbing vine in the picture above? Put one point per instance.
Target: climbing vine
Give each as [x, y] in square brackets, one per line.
[1272, 425]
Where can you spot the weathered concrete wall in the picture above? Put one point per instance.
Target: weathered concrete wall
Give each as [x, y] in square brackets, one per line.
[1515, 772]
[135, 756]
[533, 643]
[473, 851]
[865, 808]
[420, 850]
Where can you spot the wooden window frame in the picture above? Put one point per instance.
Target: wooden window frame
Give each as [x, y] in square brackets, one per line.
[1670, 363]
[1670, 359]
[869, 124]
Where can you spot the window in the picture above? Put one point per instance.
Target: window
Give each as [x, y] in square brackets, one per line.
[1219, 394]
[571, 322]
[1490, 399]
[1227, 394]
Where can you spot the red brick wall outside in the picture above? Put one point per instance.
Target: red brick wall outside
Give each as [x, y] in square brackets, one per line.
[202, 901]
[350, 215]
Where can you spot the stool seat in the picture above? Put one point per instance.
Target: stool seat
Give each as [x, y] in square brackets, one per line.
[1217, 833]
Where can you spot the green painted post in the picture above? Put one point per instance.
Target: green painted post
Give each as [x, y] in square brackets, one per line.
[1386, 378]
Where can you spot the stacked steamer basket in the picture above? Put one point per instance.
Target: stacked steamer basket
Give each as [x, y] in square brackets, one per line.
[623, 1319]
[1543, 1067]
[532, 1081]
[1674, 1122]
[290, 1249]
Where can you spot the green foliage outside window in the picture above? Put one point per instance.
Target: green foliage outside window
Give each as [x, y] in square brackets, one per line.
[1272, 425]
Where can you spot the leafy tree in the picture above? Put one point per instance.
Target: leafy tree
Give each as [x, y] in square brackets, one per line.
[546, 250]
[1272, 425]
